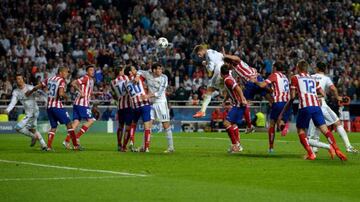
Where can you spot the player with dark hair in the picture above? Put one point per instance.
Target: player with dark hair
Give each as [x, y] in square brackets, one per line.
[236, 113]
[247, 74]
[26, 126]
[330, 116]
[81, 108]
[56, 113]
[304, 87]
[281, 95]
[125, 112]
[157, 83]
[140, 102]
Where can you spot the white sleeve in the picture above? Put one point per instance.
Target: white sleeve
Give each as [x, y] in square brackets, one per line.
[329, 82]
[12, 102]
[163, 86]
[145, 74]
[214, 58]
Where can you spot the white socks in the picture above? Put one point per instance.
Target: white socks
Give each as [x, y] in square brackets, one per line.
[318, 144]
[340, 129]
[27, 132]
[41, 139]
[169, 137]
[206, 102]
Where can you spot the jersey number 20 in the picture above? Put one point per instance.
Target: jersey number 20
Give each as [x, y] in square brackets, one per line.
[133, 89]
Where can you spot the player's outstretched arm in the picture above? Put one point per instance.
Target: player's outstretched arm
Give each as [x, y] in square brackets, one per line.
[12, 104]
[231, 57]
[335, 92]
[37, 87]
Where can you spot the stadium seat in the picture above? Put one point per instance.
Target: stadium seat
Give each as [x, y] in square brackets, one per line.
[21, 117]
[4, 118]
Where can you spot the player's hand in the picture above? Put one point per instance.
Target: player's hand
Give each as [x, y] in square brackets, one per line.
[279, 120]
[223, 51]
[253, 79]
[144, 97]
[136, 79]
[339, 98]
[204, 63]
[82, 94]
[28, 93]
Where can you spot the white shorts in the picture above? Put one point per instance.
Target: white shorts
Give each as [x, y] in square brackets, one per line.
[160, 112]
[29, 121]
[329, 115]
[330, 118]
[216, 81]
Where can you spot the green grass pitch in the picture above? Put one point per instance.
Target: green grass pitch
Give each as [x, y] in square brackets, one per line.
[199, 170]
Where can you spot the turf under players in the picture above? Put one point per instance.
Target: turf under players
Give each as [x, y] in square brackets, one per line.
[305, 87]
[125, 112]
[281, 95]
[330, 116]
[140, 103]
[157, 83]
[27, 126]
[236, 113]
[56, 113]
[81, 109]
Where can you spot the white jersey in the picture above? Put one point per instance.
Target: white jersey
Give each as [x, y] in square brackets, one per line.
[214, 61]
[324, 82]
[156, 85]
[29, 103]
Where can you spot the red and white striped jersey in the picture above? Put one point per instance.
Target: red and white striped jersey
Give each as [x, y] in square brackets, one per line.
[136, 91]
[53, 85]
[230, 85]
[280, 86]
[245, 71]
[119, 86]
[86, 86]
[306, 88]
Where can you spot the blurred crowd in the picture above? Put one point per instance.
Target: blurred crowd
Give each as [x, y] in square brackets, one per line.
[38, 36]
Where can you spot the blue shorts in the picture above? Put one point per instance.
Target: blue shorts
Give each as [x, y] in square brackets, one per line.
[235, 114]
[276, 109]
[307, 113]
[143, 112]
[251, 89]
[56, 115]
[125, 116]
[82, 113]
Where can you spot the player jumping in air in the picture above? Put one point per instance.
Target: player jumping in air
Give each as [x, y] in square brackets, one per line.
[27, 126]
[247, 74]
[236, 113]
[330, 116]
[304, 86]
[281, 95]
[125, 112]
[81, 108]
[56, 113]
[140, 102]
[157, 83]
[213, 62]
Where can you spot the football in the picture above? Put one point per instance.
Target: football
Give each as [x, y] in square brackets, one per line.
[162, 42]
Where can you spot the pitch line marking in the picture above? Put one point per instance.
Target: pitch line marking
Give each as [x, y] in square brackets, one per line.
[60, 178]
[74, 168]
